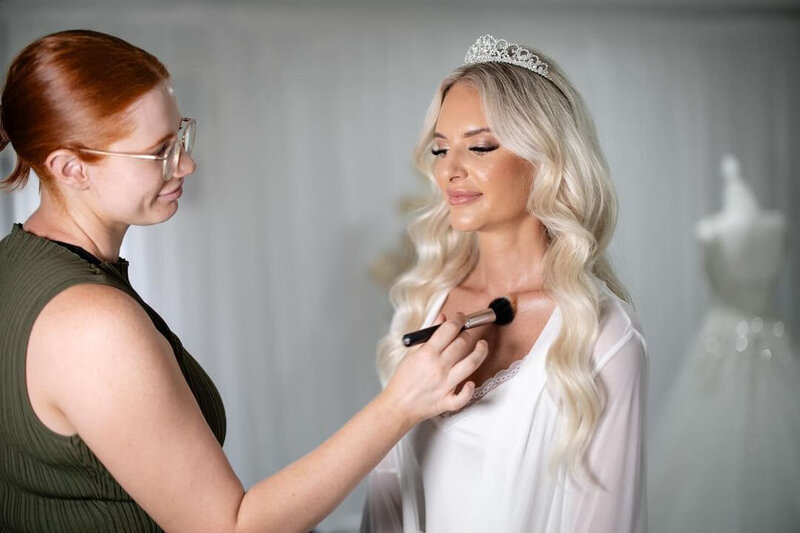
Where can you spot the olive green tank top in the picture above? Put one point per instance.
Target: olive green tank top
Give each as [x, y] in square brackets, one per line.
[50, 482]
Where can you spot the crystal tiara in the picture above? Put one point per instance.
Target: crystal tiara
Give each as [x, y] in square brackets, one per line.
[488, 49]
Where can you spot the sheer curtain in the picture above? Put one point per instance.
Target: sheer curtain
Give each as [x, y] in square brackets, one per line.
[307, 115]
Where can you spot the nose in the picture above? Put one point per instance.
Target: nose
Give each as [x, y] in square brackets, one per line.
[451, 168]
[186, 165]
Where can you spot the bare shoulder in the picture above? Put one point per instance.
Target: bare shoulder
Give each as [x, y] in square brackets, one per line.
[102, 365]
[87, 342]
[88, 308]
[96, 323]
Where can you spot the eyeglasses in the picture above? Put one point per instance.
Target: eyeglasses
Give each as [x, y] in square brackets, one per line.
[169, 160]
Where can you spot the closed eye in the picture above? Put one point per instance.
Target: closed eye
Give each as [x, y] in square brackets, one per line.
[484, 149]
[476, 149]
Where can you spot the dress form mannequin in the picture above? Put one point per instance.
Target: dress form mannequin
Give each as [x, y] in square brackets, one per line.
[726, 453]
[743, 246]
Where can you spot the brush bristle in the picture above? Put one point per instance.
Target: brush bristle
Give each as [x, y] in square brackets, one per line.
[504, 310]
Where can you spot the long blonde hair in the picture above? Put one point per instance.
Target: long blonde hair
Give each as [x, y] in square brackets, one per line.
[544, 121]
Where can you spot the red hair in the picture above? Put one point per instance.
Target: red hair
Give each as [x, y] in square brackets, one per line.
[70, 90]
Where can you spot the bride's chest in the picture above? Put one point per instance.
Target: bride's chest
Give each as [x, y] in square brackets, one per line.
[507, 344]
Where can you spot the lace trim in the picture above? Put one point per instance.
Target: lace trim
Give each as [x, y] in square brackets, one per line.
[496, 380]
[490, 384]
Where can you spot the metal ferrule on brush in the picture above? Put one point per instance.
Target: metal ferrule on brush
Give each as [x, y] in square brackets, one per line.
[480, 318]
[501, 312]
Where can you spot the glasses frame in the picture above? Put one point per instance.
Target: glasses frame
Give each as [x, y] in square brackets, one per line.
[173, 155]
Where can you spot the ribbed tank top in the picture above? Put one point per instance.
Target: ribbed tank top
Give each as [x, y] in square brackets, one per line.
[50, 482]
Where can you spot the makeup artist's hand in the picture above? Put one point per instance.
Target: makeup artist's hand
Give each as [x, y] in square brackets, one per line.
[423, 383]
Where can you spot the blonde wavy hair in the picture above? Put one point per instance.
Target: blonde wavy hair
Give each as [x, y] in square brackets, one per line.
[546, 122]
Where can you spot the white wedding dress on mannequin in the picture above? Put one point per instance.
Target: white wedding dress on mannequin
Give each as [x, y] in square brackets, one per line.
[725, 457]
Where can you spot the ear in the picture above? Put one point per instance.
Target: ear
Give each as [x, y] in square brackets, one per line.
[67, 169]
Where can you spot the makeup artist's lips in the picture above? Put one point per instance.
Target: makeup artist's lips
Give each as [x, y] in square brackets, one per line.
[461, 196]
[174, 194]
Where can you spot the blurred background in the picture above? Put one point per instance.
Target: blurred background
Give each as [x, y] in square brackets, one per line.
[307, 114]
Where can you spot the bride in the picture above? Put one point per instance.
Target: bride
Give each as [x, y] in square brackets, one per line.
[552, 439]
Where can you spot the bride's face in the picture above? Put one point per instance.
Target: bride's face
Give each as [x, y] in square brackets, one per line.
[484, 183]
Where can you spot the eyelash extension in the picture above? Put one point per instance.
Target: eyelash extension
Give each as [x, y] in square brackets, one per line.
[477, 149]
[484, 149]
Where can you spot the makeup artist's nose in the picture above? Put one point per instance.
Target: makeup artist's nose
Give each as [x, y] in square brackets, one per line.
[186, 165]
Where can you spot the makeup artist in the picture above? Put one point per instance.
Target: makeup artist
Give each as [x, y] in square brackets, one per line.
[106, 422]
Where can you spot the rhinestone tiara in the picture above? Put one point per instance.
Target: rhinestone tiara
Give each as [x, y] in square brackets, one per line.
[487, 49]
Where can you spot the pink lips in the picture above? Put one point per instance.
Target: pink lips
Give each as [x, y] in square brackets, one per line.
[462, 196]
[174, 194]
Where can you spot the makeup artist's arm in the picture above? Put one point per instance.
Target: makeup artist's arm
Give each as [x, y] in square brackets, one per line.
[114, 378]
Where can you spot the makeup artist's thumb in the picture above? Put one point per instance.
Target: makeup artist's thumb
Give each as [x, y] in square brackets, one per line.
[439, 319]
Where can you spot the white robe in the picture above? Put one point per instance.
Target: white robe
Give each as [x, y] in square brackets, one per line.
[485, 468]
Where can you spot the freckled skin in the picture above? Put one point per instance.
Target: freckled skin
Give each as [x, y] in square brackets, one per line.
[98, 367]
[101, 199]
[127, 190]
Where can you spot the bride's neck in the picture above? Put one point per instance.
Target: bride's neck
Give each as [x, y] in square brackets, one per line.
[510, 260]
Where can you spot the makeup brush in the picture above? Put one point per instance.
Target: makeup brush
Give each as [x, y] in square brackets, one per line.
[501, 311]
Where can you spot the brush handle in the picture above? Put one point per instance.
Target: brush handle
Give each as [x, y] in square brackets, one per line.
[419, 336]
[474, 320]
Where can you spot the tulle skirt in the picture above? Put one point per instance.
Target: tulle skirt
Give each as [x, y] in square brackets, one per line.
[725, 455]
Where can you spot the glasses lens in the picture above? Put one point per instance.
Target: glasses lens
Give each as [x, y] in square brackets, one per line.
[171, 161]
[189, 136]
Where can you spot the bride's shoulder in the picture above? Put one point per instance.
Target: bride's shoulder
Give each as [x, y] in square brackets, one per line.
[620, 331]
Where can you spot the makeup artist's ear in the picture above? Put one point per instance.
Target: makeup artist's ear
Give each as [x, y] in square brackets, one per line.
[67, 169]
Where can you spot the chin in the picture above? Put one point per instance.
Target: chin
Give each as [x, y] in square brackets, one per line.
[464, 224]
[169, 212]
[157, 216]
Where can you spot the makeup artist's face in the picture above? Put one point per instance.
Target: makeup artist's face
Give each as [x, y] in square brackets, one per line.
[133, 191]
[485, 184]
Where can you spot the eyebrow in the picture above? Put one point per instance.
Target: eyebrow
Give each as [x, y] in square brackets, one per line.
[470, 133]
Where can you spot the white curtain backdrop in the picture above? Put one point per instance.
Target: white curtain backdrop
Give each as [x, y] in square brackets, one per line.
[307, 114]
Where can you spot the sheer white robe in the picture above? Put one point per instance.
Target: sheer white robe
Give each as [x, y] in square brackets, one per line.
[485, 468]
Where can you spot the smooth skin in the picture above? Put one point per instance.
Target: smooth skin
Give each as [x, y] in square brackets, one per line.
[487, 188]
[97, 366]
